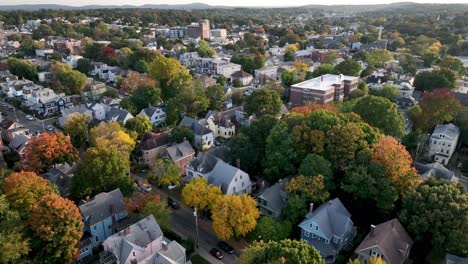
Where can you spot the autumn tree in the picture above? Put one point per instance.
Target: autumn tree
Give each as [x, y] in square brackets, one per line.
[133, 81]
[76, 127]
[140, 124]
[312, 107]
[67, 80]
[112, 135]
[269, 229]
[370, 183]
[381, 113]
[166, 172]
[263, 102]
[13, 243]
[396, 162]
[313, 165]
[48, 149]
[313, 187]
[199, 194]
[379, 57]
[23, 189]
[234, 215]
[307, 140]
[284, 251]
[436, 213]
[454, 64]
[56, 221]
[160, 211]
[434, 108]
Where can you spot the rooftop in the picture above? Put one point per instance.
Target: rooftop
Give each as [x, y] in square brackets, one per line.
[323, 82]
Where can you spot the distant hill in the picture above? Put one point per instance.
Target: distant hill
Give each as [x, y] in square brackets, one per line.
[65, 7]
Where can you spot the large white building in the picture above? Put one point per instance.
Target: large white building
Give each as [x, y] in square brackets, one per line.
[227, 70]
[443, 142]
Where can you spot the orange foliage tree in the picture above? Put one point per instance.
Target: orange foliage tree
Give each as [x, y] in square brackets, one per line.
[48, 149]
[136, 203]
[397, 163]
[23, 189]
[135, 80]
[312, 107]
[56, 221]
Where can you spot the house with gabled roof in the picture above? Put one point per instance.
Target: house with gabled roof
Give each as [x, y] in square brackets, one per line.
[180, 154]
[152, 145]
[388, 240]
[272, 200]
[204, 136]
[329, 229]
[443, 142]
[156, 115]
[100, 214]
[118, 115]
[452, 259]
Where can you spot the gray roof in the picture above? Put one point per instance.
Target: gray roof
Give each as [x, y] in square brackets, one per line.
[452, 259]
[222, 175]
[222, 118]
[435, 170]
[151, 140]
[179, 151]
[172, 253]
[450, 130]
[391, 238]
[204, 162]
[60, 179]
[116, 114]
[18, 142]
[195, 125]
[102, 206]
[331, 217]
[149, 111]
[140, 234]
[275, 196]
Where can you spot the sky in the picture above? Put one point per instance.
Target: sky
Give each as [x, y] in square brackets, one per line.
[217, 2]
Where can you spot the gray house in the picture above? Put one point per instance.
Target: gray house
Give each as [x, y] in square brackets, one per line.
[329, 229]
[388, 240]
[435, 170]
[118, 115]
[204, 136]
[452, 259]
[272, 200]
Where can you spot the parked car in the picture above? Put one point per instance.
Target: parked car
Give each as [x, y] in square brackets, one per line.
[171, 187]
[146, 187]
[29, 117]
[216, 253]
[50, 128]
[172, 204]
[226, 247]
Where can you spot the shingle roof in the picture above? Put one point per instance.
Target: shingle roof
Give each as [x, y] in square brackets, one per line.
[195, 125]
[391, 238]
[172, 253]
[152, 140]
[204, 162]
[102, 206]
[222, 175]
[241, 74]
[449, 130]
[275, 196]
[435, 170]
[149, 111]
[331, 217]
[116, 114]
[463, 98]
[18, 142]
[179, 151]
[452, 259]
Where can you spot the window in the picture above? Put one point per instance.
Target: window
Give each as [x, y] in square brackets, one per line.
[327, 241]
[234, 189]
[373, 253]
[310, 225]
[94, 227]
[109, 227]
[306, 233]
[97, 238]
[335, 240]
[133, 253]
[316, 228]
[314, 236]
[243, 184]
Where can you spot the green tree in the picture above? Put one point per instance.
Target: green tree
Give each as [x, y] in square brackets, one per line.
[168, 172]
[295, 208]
[288, 77]
[215, 95]
[369, 182]
[160, 211]
[323, 69]
[462, 123]
[454, 64]
[289, 56]
[142, 97]
[381, 113]
[284, 251]
[84, 66]
[142, 66]
[67, 80]
[221, 81]
[43, 30]
[76, 127]
[379, 57]
[181, 133]
[313, 165]
[436, 212]
[13, 244]
[330, 57]
[280, 154]
[388, 91]
[204, 49]
[263, 102]
[22, 68]
[428, 81]
[348, 67]
[140, 124]
[268, 229]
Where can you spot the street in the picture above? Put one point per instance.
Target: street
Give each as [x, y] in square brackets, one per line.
[20, 117]
[183, 223]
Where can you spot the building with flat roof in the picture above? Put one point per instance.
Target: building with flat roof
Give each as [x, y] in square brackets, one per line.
[199, 30]
[323, 89]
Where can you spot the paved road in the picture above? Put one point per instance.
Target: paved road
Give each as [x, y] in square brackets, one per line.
[183, 223]
[20, 117]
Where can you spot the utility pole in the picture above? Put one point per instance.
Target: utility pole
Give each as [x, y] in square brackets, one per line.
[196, 226]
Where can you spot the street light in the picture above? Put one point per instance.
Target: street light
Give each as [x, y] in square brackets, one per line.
[196, 226]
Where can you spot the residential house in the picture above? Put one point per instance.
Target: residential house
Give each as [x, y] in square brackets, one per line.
[180, 154]
[14, 88]
[204, 137]
[272, 200]
[93, 90]
[242, 77]
[70, 46]
[11, 129]
[452, 259]
[61, 177]
[435, 170]
[152, 145]
[99, 110]
[54, 105]
[156, 115]
[45, 77]
[98, 67]
[18, 144]
[221, 123]
[142, 242]
[118, 115]
[329, 229]
[100, 214]
[44, 53]
[72, 60]
[229, 179]
[78, 109]
[388, 240]
[406, 102]
[115, 73]
[205, 80]
[267, 73]
[228, 69]
[443, 142]
[324, 89]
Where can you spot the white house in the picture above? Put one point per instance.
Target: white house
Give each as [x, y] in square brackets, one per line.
[72, 60]
[227, 70]
[78, 109]
[244, 77]
[221, 123]
[270, 72]
[156, 115]
[204, 136]
[99, 110]
[443, 142]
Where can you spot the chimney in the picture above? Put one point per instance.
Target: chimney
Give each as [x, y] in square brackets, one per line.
[238, 163]
[372, 228]
[127, 231]
[62, 180]
[311, 207]
[321, 78]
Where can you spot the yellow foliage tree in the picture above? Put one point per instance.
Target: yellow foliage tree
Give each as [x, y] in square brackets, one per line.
[312, 186]
[112, 135]
[377, 260]
[199, 194]
[234, 215]
[355, 261]
[293, 47]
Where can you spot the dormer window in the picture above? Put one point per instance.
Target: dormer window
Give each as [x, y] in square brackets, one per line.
[316, 228]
